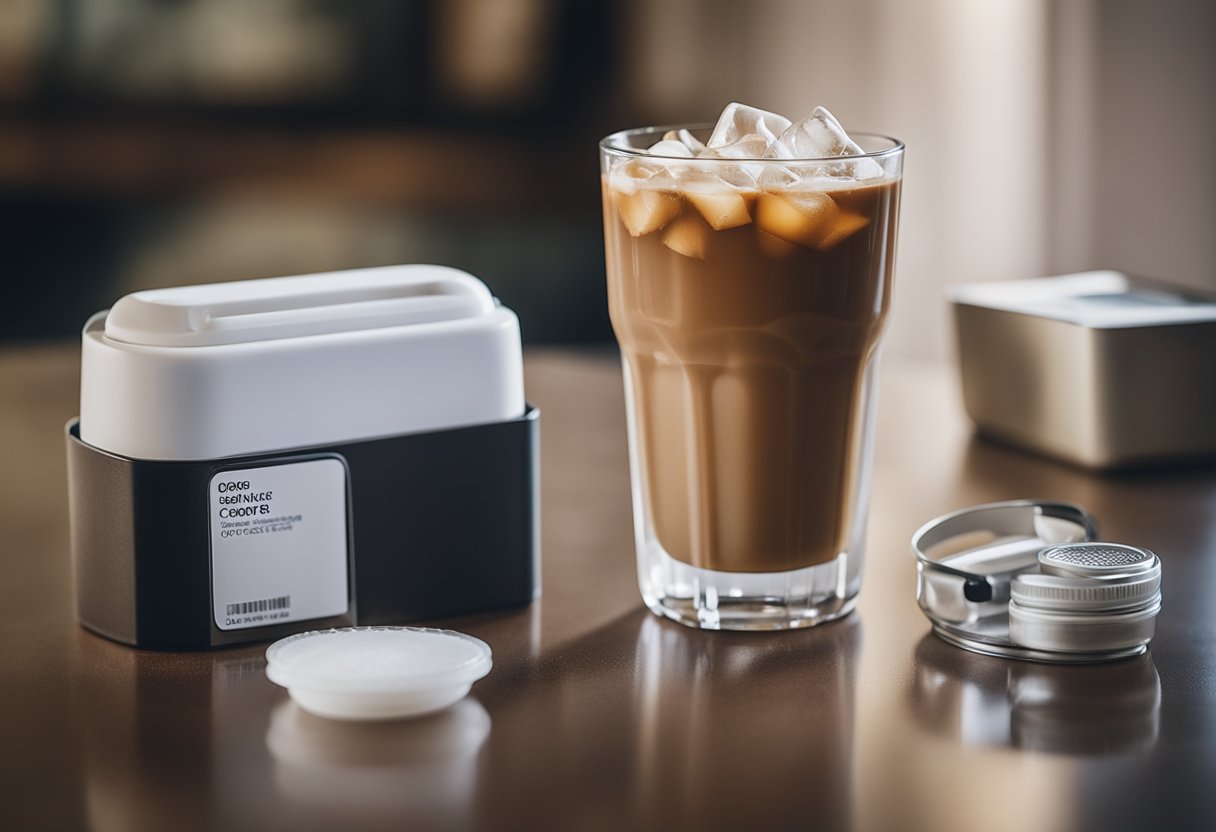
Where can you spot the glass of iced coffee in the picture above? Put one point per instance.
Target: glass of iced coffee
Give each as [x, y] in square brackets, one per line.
[749, 278]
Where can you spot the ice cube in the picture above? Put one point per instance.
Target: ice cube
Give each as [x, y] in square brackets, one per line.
[820, 136]
[721, 204]
[687, 235]
[685, 138]
[808, 218]
[743, 175]
[776, 177]
[802, 218]
[774, 247]
[751, 146]
[692, 142]
[660, 164]
[740, 120]
[628, 175]
[864, 169]
[845, 225]
[647, 209]
[670, 147]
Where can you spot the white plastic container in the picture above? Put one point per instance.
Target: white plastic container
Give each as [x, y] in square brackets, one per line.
[201, 372]
[258, 458]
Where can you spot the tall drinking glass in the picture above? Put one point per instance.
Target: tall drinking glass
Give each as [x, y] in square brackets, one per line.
[748, 298]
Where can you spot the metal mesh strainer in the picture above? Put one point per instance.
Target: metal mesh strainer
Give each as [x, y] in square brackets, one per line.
[1092, 559]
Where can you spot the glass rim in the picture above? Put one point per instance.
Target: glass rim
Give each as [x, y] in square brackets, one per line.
[607, 145]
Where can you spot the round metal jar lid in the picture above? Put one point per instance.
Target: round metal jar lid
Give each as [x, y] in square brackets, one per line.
[1090, 577]
[977, 564]
[1096, 560]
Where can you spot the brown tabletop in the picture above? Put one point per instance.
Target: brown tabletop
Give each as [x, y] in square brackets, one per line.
[598, 715]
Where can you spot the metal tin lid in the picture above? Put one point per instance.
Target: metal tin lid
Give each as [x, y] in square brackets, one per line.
[1098, 300]
[1078, 601]
[1095, 560]
[966, 559]
[1090, 577]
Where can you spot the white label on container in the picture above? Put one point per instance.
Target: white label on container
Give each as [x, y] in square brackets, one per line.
[278, 543]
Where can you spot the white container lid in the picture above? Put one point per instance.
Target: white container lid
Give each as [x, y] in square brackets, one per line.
[247, 311]
[226, 369]
[366, 673]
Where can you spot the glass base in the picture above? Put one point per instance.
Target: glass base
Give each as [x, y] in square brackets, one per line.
[711, 600]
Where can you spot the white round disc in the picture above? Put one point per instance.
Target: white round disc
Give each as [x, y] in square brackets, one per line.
[377, 672]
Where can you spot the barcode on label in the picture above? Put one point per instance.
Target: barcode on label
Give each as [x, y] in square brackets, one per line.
[262, 605]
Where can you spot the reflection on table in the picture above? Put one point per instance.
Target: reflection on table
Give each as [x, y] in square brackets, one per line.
[1111, 708]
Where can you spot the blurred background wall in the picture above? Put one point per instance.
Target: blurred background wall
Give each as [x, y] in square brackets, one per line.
[157, 142]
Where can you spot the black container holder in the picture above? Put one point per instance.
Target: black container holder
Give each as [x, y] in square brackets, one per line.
[438, 523]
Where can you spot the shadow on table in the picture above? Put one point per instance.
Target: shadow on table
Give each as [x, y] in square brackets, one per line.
[1001, 470]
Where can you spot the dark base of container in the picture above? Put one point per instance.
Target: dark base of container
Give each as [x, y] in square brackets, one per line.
[441, 523]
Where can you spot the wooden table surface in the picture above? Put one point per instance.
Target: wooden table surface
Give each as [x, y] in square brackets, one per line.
[598, 715]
